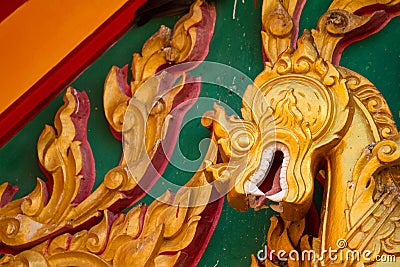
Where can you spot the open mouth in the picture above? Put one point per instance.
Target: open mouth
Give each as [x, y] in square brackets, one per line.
[269, 182]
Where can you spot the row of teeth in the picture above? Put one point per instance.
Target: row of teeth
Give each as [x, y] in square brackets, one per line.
[251, 188]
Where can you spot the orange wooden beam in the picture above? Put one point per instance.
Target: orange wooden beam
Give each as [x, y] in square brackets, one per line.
[39, 34]
[34, 70]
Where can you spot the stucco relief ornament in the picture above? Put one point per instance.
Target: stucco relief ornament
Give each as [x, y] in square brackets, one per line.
[304, 115]
[64, 223]
[308, 117]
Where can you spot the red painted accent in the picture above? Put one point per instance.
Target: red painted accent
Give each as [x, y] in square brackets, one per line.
[7, 7]
[191, 255]
[312, 221]
[8, 194]
[320, 179]
[296, 21]
[143, 211]
[381, 16]
[36, 98]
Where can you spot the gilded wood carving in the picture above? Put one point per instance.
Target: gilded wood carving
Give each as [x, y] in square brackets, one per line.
[304, 116]
[63, 223]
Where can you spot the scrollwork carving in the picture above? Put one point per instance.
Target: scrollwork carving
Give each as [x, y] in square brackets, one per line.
[48, 223]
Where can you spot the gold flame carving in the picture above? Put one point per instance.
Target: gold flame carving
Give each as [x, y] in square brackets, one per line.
[145, 236]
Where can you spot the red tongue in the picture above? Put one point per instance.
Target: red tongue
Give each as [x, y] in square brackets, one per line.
[276, 187]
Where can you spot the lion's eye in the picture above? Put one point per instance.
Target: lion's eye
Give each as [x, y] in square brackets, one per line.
[242, 141]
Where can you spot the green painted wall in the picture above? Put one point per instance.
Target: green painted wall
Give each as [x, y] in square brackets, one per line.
[237, 43]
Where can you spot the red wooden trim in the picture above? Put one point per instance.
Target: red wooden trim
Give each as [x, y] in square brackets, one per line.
[7, 7]
[49, 86]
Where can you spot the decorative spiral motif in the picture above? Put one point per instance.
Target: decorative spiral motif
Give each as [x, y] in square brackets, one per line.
[341, 243]
[337, 21]
[10, 228]
[373, 100]
[118, 117]
[115, 178]
[387, 151]
[280, 24]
